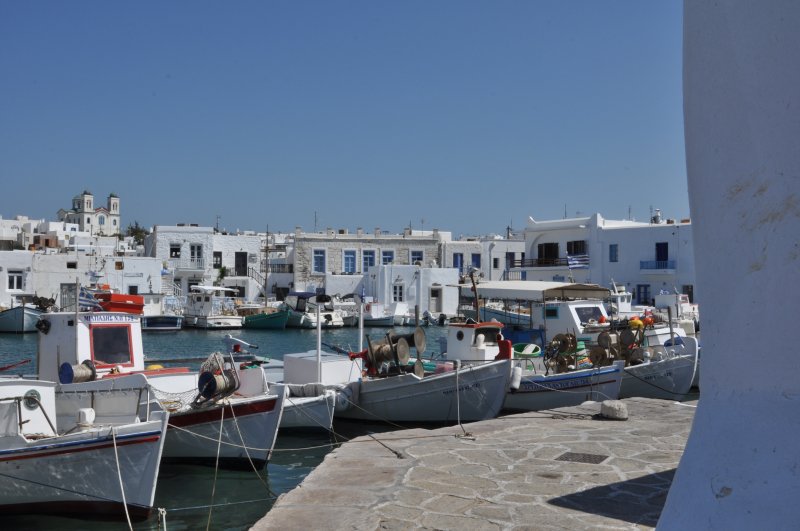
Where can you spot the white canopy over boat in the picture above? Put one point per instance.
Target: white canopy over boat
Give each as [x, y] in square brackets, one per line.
[535, 290]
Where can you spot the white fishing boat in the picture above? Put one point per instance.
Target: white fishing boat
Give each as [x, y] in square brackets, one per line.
[665, 371]
[211, 307]
[308, 407]
[555, 308]
[303, 308]
[380, 383]
[162, 313]
[541, 386]
[94, 452]
[223, 401]
[162, 323]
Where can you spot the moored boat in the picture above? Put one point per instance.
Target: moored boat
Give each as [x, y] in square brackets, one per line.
[380, 383]
[275, 320]
[224, 399]
[19, 319]
[538, 387]
[664, 371]
[94, 452]
[162, 323]
[304, 307]
[208, 307]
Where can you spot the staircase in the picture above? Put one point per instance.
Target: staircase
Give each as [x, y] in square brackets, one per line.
[168, 285]
[259, 279]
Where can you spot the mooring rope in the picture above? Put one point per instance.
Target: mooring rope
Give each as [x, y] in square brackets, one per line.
[216, 467]
[119, 476]
[247, 453]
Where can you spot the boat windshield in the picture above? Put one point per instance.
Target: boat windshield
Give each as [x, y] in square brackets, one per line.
[588, 313]
[111, 345]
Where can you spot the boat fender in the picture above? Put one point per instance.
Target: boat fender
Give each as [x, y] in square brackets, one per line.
[86, 416]
[516, 379]
[344, 398]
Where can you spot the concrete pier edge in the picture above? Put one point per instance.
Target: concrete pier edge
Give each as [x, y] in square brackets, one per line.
[559, 469]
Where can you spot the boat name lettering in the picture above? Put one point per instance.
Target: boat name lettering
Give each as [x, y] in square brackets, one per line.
[466, 387]
[667, 374]
[536, 386]
[109, 318]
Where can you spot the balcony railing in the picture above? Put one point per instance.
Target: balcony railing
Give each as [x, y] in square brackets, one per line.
[279, 268]
[540, 262]
[198, 264]
[656, 264]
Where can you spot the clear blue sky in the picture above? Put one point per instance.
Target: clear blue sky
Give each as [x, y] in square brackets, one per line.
[468, 115]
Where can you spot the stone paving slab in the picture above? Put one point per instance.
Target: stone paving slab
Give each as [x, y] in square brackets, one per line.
[535, 470]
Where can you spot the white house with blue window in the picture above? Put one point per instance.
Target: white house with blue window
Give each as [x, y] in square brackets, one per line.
[647, 258]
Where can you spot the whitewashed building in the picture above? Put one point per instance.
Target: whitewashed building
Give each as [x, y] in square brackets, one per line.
[193, 255]
[647, 258]
[16, 277]
[492, 256]
[54, 275]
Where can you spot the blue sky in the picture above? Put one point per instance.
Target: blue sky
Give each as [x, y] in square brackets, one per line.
[459, 115]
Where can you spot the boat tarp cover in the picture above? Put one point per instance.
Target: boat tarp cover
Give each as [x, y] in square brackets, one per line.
[534, 290]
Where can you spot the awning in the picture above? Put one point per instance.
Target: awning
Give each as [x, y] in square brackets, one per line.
[534, 290]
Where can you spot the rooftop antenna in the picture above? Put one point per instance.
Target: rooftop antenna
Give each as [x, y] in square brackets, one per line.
[315, 221]
[217, 225]
[629, 213]
[565, 211]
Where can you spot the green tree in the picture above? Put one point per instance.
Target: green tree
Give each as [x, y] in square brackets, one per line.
[137, 231]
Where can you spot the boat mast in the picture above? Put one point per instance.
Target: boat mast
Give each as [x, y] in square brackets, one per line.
[475, 291]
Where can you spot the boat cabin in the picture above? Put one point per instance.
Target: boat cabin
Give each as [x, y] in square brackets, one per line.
[471, 342]
[110, 340]
[209, 300]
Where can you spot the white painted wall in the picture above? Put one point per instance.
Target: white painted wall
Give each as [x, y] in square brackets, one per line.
[741, 468]
[635, 241]
[15, 262]
[417, 289]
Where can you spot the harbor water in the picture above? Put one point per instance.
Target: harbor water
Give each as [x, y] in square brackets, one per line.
[198, 497]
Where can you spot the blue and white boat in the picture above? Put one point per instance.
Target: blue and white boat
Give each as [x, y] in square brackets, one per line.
[538, 387]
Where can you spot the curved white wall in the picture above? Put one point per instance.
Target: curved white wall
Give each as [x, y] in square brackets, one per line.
[741, 468]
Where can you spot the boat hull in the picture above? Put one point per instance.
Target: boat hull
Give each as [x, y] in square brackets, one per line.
[248, 429]
[77, 473]
[314, 412]
[162, 323]
[267, 321]
[19, 319]
[474, 392]
[668, 379]
[538, 392]
[214, 322]
[386, 321]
